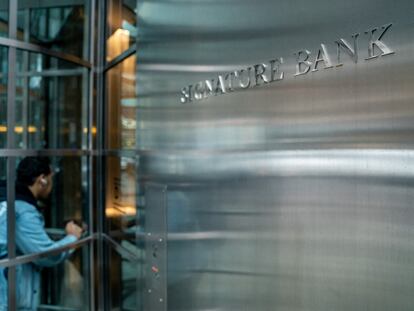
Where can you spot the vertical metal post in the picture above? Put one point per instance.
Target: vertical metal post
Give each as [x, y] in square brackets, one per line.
[100, 89]
[26, 79]
[11, 162]
[91, 181]
[11, 225]
[140, 271]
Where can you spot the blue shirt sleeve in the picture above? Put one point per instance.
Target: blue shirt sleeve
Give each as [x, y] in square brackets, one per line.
[31, 238]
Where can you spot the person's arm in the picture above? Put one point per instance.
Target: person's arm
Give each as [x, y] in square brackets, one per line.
[31, 238]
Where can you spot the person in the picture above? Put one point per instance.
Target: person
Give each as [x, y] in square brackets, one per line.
[33, 183]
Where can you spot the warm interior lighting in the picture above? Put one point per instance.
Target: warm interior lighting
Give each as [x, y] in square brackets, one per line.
[32, 129]
[121, 32]
[120, 211]
[94, 130]
[117, 43]
[19, 129]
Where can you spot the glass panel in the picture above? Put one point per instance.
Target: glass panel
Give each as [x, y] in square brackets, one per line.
[121, 197]
[122, 105]
[125, 279]
[122, 27]
[56, 196]
[3, 232]
[59, 281]
[60, 27]
[51, 103]
[69, 200]
[3, 96]
[67, 284]
[4, 18]
[3, 172]
[3, 211]
[122, 226]
[68, 195]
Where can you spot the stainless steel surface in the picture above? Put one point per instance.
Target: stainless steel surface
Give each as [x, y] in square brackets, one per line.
[155, 271]
[297, 194]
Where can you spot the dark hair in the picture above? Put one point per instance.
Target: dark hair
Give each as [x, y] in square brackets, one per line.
[32, 167]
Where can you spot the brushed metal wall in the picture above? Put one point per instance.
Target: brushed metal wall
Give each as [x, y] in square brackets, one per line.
[295, 195]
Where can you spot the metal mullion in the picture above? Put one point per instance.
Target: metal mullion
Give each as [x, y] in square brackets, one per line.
[45, 152]
[120, 153]
[87, 32]
[59, 308]
[52, 73]
[11, 161]
[11, 226]
[26, 80]
[100, 63]
[40, 49]
[49, 3]
[90, 159]
[73, 152]
[121, 57]
[86, 129]
[35, 256]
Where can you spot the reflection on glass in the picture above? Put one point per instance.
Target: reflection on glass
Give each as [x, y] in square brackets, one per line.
[4, 18]
[3, 96]
[69, 197]
[49, 194]
[122, 105]
[122, 27]
[3, 232]
[122, 225]
[125, 279]
[51, 104]
[59, 281]
[3, 169]
[121, 201]
[58, 27]
[67, 285]
[69, 193]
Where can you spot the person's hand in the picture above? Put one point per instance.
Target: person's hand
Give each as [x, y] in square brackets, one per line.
[73, 229]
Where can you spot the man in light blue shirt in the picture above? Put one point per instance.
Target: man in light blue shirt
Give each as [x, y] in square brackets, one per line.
[34, 182]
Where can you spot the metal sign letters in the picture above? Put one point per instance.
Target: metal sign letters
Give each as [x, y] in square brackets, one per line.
[265, 73]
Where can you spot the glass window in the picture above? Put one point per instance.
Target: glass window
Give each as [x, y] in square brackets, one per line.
[4, 18]
[58, 282]
[51, 103]
[121, 197]
[60, 279]
[68, 199]
[122, 226]
[122, 27]
[3, 172]
[61, 27]
[122, 105]
[67, 285]
[3, 96]
[124, 279]
[3, 227]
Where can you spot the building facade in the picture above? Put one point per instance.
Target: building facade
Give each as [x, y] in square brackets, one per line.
[225, 155]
